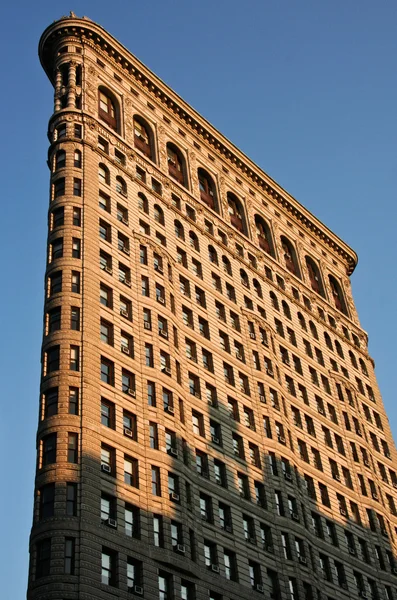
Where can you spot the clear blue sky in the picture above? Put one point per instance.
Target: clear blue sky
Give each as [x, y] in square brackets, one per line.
[307, 89]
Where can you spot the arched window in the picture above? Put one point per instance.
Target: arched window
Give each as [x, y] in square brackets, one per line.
[236, 213]
[227, 267]
[264, 236]
[60, 159]
[158, 214]
[363, 367]
[316, 281]
[313, 330]
[207, 189]
[176, 164]
[286, 309]
[257, 287]
[179, 232]
[353, 359]
[143, 137]
[193, 240]
[302, 321]
[337, 294]
[290, 259]
[328, 341]
[121, 186]
[244, 278]
[108, 109]
[339, 349]
[143, 203]
[77, 159]
[103, 174]
[212, 255]
[274, 301]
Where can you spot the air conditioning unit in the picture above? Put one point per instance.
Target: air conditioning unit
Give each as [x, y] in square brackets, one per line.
[147, 325]
[112, 523]
[344, 585]
[303, 560]
[366, 463]
[239, 356]
[215, 568]
[160, 299]
[108, 270]
[166, 370]
[229, 528]
[138, 590]
[158, 269]
[251, 540]
[197, 394]
[394, 570]
[124, 220]
[352, 551]
[375, 496]
[123, 312]
[174, 497]
[163, 333]
[268, 548]
[128, 432]
[125, 349]
[395, 485]
[295, 516]
[180, 548]
[131, 392]
[169, 409]
[127, 282]
[215, 439]
[321, 410]
[286, 361]
[343, 512]
[259, 588]
[270, 373]
[363, 594]
[387, 454]
[252, 335]
[262, 399]
[336, 476]
[288, 476]
[384, 532]
[106, 468]
[172, 451]
[125, 250]
[281, 439]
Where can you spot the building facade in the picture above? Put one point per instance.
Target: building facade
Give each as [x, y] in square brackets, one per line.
[210, 425]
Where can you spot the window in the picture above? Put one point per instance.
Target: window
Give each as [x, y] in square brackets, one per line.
[107, 371]
[59, 187]
[165, 586]
[220, 473]
[43, 558]
[158, 537]
[49, 449]
[131, 471]
[230, 564]
[108, 565]
[243, 486]
[134, 575]
[73, 439]
[75, 318]
[55, 283]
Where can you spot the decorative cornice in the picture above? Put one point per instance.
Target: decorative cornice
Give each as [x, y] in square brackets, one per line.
[86, 31]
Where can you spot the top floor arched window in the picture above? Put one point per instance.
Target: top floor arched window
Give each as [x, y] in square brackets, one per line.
[316, 281]
[339, 349]
[363, 367]
[103, 174]
[193, 240]
[274, 301]
[290, 258]
[158, 214]
[264, 235]
[328, 341]
[257, 288]
[143, 203]
[244, 278]
[121, 186]
[227, 267]
[212, 255]
[60, 159]
[143, 137]
[176, 164]
[207, 189]
[108, 109]
[302, 321]
[236, 213]
[179, 231]
[337, 294]
[286, 309]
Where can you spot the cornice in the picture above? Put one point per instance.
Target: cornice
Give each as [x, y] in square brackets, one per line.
[86, 31]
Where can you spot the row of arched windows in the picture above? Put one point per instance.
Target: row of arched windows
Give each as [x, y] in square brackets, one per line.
[109, 111]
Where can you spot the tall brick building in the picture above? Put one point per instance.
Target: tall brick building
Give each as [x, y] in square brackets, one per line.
[210, 424]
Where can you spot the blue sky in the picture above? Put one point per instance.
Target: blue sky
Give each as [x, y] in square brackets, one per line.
[306, 89]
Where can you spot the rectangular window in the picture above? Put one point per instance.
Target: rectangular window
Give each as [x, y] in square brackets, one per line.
[69, 555]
